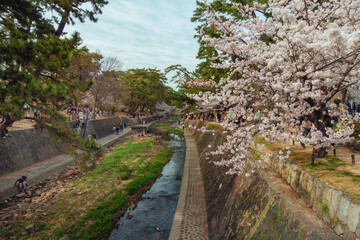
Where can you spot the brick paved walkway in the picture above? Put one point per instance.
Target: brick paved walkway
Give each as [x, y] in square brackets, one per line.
[190, 220]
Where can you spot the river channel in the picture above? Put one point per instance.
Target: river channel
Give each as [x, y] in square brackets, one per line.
[152, 217]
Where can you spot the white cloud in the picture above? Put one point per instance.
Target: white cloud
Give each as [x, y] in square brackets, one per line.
[143, 33]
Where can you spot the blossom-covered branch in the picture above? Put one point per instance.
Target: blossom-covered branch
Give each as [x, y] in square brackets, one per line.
[288, 69]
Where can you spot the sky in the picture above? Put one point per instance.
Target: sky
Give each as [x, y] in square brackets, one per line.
[143, 33]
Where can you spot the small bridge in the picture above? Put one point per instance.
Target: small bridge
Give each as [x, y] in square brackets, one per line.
[146, 125]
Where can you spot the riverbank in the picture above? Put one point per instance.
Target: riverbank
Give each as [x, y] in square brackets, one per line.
[259, 206]
[86, 206]
[152, 216]
[168, 126]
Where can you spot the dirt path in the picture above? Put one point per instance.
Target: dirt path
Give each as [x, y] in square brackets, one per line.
[24, 205]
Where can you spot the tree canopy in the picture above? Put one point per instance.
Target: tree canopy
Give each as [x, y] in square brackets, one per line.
[145, 87]
[289, 64]
[208, 55]
[107, 89]
[37, 61]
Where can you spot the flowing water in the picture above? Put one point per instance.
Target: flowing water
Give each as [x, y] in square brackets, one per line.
[153, 215]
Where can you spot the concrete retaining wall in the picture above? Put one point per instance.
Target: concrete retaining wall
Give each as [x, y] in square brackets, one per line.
[147, 120]
[102, 127]
[24, 148]
[338, 210]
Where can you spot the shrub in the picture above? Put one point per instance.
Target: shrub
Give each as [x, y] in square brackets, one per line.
[122, 108]
[324, 208]
[111, 109]
[357, 130]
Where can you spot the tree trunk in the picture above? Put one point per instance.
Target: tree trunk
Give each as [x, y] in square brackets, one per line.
[62, 23]
[93, 111]
[130, 107]
[343, 96]
[320, 152]
[321, 124]
[7, 123]
[137, 106]
[233, 59]
[143, 106]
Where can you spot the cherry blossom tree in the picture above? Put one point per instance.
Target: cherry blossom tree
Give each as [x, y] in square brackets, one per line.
[288, 68]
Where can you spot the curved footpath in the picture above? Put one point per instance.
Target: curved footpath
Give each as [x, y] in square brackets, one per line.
[41, 170]
[190, 220]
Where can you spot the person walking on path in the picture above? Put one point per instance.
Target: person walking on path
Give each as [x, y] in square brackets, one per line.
[219, 116]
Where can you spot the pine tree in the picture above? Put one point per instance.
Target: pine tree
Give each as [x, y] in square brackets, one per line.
[145, 87]
[34, 55]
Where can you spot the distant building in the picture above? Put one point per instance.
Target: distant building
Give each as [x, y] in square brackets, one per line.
[163, 109]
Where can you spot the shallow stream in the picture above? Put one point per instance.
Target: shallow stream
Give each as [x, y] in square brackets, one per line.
[153, 215]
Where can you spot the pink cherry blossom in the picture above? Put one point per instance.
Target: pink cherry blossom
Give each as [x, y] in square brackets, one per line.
[284, 72]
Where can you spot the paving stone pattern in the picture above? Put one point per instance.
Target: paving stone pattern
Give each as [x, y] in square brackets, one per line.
[190, 221]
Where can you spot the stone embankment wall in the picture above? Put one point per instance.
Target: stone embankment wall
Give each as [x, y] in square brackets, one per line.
[136, 121]
[24, 148]
[341, 212]
[102, 127]
[147, 120]
[261, 206]
[29, 146]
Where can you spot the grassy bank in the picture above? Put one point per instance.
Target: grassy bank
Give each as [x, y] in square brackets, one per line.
[90, 206]
[167, 126]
